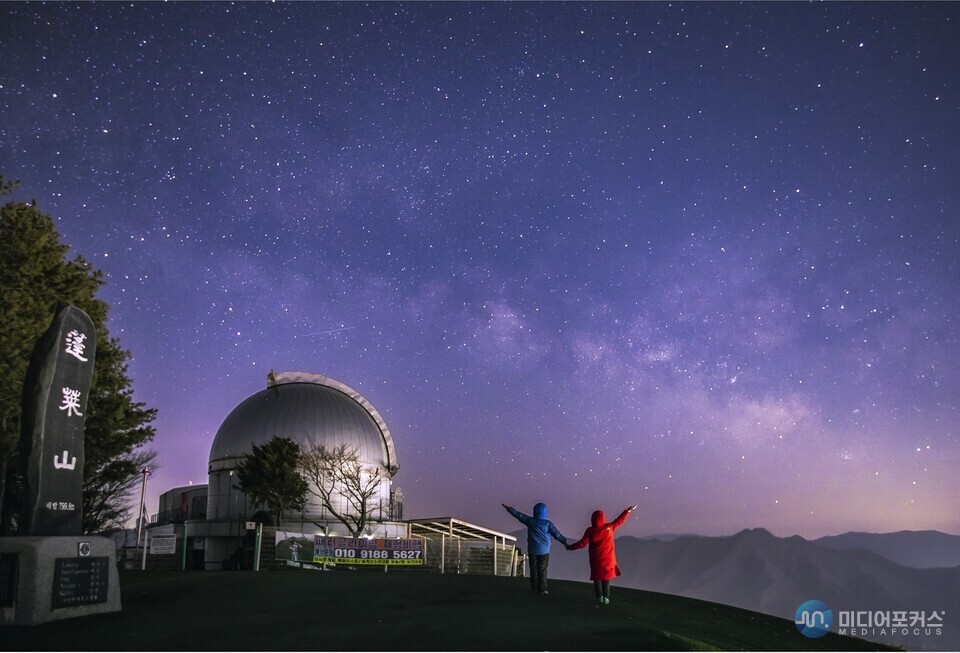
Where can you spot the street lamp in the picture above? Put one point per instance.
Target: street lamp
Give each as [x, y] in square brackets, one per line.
[143, 490]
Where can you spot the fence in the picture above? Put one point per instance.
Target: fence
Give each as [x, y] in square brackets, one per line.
[458, 555]
[450, 546]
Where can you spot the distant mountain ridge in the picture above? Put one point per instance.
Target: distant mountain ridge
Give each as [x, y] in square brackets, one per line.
[758, 571]
[921, 549]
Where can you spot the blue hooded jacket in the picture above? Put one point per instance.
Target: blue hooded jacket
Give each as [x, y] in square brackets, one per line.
[539, 530]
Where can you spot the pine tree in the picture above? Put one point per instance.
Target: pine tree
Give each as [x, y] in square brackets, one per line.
[115, 430]
[34, 275]
[270, 476]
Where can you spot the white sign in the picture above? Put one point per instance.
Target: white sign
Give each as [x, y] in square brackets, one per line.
[163, 544]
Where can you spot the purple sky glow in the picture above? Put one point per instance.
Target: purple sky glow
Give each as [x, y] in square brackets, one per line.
[698, 257]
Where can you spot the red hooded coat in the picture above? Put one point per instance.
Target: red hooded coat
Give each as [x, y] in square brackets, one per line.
[603, 557]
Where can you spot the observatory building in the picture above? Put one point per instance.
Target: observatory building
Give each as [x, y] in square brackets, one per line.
[311, 410]
[211, 525]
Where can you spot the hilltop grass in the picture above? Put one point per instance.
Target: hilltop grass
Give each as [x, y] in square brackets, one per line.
[369, 610]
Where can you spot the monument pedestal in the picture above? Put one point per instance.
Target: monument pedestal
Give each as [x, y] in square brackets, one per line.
[57, 577]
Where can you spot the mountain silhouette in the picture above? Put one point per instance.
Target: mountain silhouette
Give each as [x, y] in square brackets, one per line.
[921, 549]
[759, 571]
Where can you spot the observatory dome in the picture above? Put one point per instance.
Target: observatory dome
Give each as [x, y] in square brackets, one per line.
[311, 410]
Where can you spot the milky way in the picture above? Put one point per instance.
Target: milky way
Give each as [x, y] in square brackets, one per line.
[699, 257]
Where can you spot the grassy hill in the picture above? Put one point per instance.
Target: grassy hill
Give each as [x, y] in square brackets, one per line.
[755, 570]
[371, 610]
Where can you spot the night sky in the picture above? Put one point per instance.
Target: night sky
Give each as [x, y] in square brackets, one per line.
[698, 257]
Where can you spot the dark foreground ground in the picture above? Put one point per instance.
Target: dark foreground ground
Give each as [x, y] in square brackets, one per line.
[367, 610]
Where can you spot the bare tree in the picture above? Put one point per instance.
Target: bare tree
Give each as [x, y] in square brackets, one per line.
[336, 471]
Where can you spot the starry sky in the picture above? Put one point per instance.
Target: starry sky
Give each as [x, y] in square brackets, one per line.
[698, 257]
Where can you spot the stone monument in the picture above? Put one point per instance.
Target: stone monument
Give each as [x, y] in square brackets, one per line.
[50, 570]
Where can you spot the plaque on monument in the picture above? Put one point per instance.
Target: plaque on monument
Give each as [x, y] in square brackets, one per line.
[8, 579]
[51, 442]
[80, 581]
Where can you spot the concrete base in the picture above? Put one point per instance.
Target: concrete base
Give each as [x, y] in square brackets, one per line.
[40, 594]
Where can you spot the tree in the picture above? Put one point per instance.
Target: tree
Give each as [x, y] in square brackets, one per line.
[118, 477]
[116, 426]
[336, 471]
[34, 275]
[269, 476]
[7, 186]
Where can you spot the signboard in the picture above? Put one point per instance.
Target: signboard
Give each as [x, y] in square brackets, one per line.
[296, 547]
[363, 551]
[51, 436]
[163, 544]
[8, 579]
[80, 581]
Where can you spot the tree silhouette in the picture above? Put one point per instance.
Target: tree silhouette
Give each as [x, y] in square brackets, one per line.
[269, 475]
[336, 471]
[35, 274]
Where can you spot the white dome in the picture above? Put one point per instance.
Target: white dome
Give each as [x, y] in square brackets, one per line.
[311, 410]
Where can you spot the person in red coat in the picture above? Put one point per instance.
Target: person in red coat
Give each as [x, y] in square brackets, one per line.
[603, 555]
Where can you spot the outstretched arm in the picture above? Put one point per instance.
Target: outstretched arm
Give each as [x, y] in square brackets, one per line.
[522, 518]
[618, 522]
[582, 542]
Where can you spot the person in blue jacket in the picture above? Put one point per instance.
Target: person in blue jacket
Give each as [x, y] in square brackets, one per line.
[539, 531]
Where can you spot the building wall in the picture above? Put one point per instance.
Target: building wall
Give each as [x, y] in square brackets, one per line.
[182, 503]
[226, 501]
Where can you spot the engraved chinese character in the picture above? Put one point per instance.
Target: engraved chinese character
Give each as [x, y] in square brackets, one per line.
[71, 402]
[66, 463]
[75, 344]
